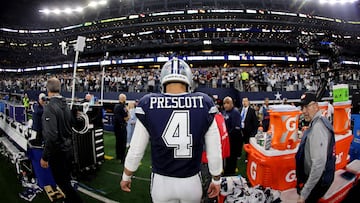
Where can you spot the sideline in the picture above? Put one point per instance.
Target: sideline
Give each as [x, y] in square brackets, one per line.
[94, 195]
[134, 177]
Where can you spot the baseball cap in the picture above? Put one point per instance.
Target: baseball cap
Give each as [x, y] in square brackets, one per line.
[307, 97]
[42, 96]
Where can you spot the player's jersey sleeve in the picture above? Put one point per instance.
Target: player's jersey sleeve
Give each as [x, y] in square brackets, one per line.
[177, 125]
[138, 145]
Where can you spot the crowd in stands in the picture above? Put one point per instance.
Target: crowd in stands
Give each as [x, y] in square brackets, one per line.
[147, 80]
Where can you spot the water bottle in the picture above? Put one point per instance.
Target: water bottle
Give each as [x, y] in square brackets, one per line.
[259, 135]
[92, 100]
[268, 139]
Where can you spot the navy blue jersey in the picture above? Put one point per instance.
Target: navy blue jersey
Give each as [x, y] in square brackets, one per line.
[177, 125]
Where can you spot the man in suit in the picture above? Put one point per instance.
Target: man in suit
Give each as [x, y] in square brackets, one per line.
[249, 121]
[232, 121]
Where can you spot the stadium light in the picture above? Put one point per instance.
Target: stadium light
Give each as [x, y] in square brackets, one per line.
[68, 10]
[57, 11]
[102, 2]
[46, 11]
[78, 9]
[93, 4]
[332, 2]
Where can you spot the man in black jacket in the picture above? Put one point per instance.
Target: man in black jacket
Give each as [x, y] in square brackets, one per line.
[121, 116]
[232, 121]
[57, 132]
[249, 121]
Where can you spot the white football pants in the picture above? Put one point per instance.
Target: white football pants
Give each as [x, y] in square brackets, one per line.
[165, 189]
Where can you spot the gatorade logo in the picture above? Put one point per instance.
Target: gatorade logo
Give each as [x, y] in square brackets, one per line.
[339, 157]
[253, 167]
[291, 123]
[291, 176]
[347, 123]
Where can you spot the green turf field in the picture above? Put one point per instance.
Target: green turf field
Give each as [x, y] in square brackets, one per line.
[106, 180]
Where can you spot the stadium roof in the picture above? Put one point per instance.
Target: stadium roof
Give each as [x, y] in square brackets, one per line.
[25, 13]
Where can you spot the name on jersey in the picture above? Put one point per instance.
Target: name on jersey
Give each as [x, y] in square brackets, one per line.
[176, 102]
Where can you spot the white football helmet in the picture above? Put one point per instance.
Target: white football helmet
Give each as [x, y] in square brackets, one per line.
[176, 70]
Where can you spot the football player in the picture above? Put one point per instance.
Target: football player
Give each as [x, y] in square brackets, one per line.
[178, 123]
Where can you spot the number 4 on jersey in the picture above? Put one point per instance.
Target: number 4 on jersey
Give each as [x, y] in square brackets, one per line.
[177, 134]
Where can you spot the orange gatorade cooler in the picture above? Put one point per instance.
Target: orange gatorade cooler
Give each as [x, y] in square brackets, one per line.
[270, 168]
[284, 121]
[276, 168]
[323, 107]
[342, 117]
[342, 147]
